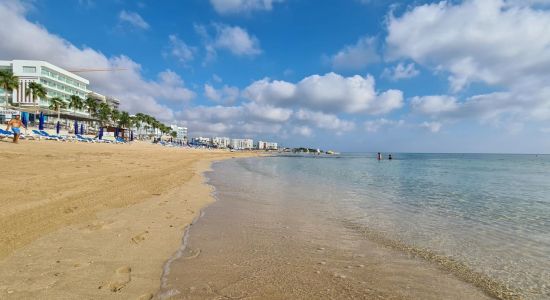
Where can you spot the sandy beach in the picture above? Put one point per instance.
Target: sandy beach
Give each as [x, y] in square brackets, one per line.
[87, 221]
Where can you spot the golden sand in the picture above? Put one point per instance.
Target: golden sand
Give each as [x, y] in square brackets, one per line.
[90, 221]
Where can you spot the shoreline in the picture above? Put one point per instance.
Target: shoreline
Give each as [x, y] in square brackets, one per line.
[115, 250]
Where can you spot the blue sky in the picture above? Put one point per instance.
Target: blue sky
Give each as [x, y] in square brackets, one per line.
[357, 75]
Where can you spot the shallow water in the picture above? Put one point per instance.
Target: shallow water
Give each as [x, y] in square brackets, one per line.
[420, 226]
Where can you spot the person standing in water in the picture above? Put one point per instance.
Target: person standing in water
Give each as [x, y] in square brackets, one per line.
[15, 125]
[379, 156]
[389, 157]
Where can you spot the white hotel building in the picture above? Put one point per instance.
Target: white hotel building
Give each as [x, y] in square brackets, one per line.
[58, 82]
[221, 142]
[242, 144]
[266, 145]
[181, 133]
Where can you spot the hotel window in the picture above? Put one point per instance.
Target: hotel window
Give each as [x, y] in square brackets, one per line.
[27, 69]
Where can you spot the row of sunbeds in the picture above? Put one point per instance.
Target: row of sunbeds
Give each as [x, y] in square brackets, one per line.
[41, 134]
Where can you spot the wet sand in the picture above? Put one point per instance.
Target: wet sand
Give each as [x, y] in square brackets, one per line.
[260, 242]
[95, 221]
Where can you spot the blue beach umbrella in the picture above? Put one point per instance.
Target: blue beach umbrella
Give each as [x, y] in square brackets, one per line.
[75, 127]
[82, 128]
[100, 135]
[24, 119]
[41, 121]
[57, 127]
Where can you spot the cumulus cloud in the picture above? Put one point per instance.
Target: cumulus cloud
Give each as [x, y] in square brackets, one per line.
[401, 71]
[303, 131]
[330, 93]
[356, 57]
[491, 107]
[231, 38]
[242, 6]
[436, 104]
[324, 121]
[133, 19]
[489, 41]
[179, 50]
[136, 93]
[376, 125]
[225, 95]
[431, 126]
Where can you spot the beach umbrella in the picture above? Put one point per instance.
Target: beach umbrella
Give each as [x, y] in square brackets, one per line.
[41, 121]
[82, 128]
[75, 127]
[24, 119]
[57, 127]
[100, 135]
[131, 136]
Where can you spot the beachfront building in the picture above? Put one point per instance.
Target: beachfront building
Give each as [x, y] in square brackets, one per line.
[242, 144]
[57, 81]
[181, 133]
[266, 145]
[221, 142]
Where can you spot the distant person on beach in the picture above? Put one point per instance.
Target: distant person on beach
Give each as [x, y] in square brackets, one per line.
[15, 125]
[389, 157]
[379, 156]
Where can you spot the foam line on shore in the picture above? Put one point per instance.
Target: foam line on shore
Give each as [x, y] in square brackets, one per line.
[459, 269]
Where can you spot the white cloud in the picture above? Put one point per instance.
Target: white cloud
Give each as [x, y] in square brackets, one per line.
[401, 71]
[434, 105]
[488, 41]
[180, 50]
[267, 112]
[431, 126]
[303, 131]
[226, 95]
[136, 93]
[376, 125]
[236, 40]
[356, 57]
[324, 121]
[330, 93]
[239, 6]
[231, 38]
[132, 18]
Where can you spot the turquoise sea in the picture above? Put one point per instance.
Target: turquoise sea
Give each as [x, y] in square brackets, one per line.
[485, 218]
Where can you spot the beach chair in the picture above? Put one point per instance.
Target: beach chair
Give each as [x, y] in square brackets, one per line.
[47, 135]
[120, 140]
[5, 134]
[84, 139]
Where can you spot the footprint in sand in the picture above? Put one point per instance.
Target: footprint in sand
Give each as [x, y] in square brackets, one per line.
[140, 237]
[120, 279]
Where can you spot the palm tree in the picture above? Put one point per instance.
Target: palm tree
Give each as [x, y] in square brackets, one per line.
[75, 102]
[36, 91]
[137, 121]
[124, 120]
[103, 113]
[91, 106]
[8, 82]
[115, 116]
[57, 104]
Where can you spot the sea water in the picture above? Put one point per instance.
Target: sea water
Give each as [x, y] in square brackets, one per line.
[420, 226]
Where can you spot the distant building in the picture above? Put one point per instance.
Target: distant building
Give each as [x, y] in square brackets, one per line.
[266, 145]
[221, 142]
[114, 103]
[242, 144]
[202, 141]
[181, 133]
